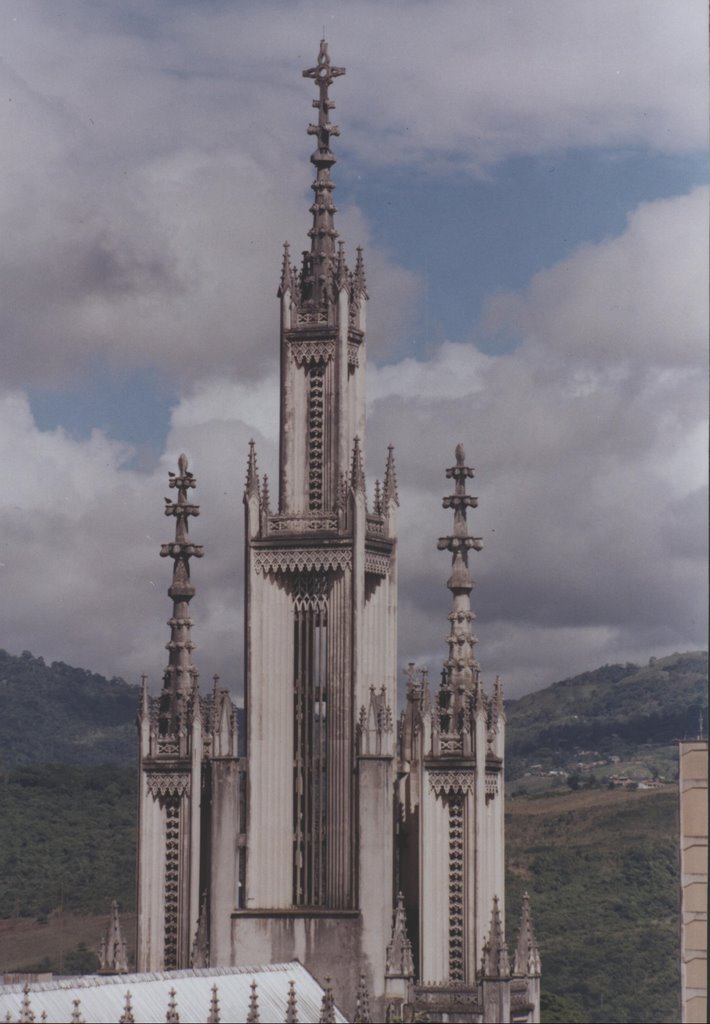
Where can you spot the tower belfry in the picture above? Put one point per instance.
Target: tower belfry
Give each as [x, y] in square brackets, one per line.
[320, 674]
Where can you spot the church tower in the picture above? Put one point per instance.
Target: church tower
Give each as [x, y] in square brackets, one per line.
[320, 629]
[451, 793]
[189, 781]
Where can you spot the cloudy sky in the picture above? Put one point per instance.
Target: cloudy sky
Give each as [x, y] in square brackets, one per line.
[529, 181]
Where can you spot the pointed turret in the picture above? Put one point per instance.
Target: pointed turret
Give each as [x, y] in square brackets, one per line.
[213, 1017]
[113, 952]
[527, 952]
[251, 487]
[181, 675]
[359, 284]
[318, 263]
[127, 1015]
[400, 962]
[357, 470]
[291, 1004]
[496, 963]
[327, 1006]
[253, 1014]
[390, 495]
[172, 1016]
[461, 668]
[286, 282]
[362, 1003]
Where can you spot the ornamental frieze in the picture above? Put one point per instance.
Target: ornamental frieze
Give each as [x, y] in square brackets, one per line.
[307, 352]
[453, 780]
[300, 559]
[168, 784]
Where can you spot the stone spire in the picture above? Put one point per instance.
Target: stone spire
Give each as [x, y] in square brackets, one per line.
[253, 1014]
[327, 1006]
[527, 952]
[180, 674]
[362, 1003]
[318, 264]
[495, 951]
[389, 493]
[461, 669]
[113, 954]
[214, 1017]
[400, 962]
[291, 1004]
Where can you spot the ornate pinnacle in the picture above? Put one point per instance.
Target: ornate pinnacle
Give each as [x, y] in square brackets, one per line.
[342, 274]
[253, 1015]
[286, 283]
[327, 1006]
[127, 1015]
[399, 960]
[362, 1003]
[357, 472]
[359, 285]
[323, 233]
[389, 494]
[527, 953]
[181, 674]
[495, 951]
[252, 482]
[214, 1017]
[460, 668]
[291, 1004]
[113, 953]
[172, 1016]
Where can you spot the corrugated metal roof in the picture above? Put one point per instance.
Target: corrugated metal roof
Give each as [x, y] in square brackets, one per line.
[102, 999]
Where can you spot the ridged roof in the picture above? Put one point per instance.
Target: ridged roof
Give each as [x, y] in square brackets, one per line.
[102, 998]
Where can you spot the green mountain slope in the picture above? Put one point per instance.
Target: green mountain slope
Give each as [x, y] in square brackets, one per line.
[613, 710]
[63, 714]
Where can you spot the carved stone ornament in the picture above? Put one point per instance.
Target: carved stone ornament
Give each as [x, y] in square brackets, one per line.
[173, 784]
[306, 352]
[377, 564]
[451, 781]
[298, 559]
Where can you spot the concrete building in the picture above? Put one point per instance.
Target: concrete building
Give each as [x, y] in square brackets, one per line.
[372, 854]
[693, 787]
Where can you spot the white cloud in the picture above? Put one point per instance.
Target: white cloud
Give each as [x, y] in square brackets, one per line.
[590, 471]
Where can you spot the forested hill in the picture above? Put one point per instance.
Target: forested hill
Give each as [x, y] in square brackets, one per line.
[57, 713]
[612, 709]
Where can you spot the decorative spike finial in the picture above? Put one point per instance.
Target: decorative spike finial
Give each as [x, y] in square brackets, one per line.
[461, 670]
[113, 952]
[291, 1005]
[76, 1017]
[362, 1003]
[359, 283]
[495, 962]
[390, 495]
[172, 1016]
[252, 481]
[214, 1017]
[327, 1006]
[127, 1015]
[286, 283]
[527, 952]
[318, 263]
[399, 960]
[26, 1013]
[357, 472]
[253, 1014]
[181, 675]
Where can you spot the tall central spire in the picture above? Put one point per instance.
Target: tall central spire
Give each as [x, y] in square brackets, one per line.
[317, 263]
[461, 667]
